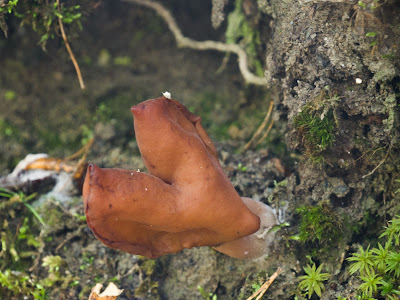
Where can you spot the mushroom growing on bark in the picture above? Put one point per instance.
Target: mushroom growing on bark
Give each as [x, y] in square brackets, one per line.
[185, 201]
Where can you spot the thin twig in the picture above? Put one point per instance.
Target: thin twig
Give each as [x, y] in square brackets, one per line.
[261, 128]
[58, 164]
[133, 269]
[71, 54]
[84, 150]
[70, 236]
[382, 161]
[183, 42]
[223, 64]
[261, 291]
[361, 156]
[265, 135]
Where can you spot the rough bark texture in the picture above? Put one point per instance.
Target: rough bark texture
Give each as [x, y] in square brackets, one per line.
[323, 48]
[343, 58]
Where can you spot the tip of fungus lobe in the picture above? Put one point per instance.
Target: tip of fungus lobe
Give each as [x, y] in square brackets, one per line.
[136, 109]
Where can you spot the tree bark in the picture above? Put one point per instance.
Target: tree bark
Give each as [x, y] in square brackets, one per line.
[342, 57]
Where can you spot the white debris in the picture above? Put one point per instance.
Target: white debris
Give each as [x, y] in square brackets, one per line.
[167, 95]
[30, 158]
[21, 178]
[358, 80]
[111, 291]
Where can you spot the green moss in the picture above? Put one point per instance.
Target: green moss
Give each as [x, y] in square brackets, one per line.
[124, 61]
[115, 108]
[319, 223]
[205, 295]
[252, 283]
[312, 282]
[43, 16]
[19, 238]
[28, 267]
[220, 112]
[240, 31]
[148, 287]
[13, 284]
[379, 267]
[8, 130]
[137, 38]
[147, 266]
[10, 95]
[316, 128]
[53, 215]
[316, 124]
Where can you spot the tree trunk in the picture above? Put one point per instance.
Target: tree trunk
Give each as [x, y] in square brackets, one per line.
[334, 66]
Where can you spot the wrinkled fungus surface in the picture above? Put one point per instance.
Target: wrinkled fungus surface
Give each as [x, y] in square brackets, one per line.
[185, 201]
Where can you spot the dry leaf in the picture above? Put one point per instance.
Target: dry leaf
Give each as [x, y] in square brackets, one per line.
[110, 293]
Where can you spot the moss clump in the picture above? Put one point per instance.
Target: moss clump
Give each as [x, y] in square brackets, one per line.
[43, 16]
[25, 241]
[319, 223]
[239, 31]
[147, 287]
[315, 126]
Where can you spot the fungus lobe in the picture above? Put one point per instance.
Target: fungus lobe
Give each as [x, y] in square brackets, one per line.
[184, 201]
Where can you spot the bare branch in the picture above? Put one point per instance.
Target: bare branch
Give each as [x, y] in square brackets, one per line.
[71, 54]
[261, 291]
[382, 161]
[260, 129]
[185, 42]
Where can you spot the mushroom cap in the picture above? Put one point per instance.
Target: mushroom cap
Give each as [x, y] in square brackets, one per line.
[185, 201]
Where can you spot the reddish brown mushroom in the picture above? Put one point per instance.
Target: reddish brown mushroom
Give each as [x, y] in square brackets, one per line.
[185, 201]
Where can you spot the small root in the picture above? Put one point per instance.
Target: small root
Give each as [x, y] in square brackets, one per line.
[255, 140]
[71, 54]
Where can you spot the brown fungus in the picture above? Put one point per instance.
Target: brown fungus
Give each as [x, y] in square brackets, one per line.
[185, 201]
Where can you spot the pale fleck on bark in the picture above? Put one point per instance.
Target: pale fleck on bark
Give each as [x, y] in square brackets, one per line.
[217, 12]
